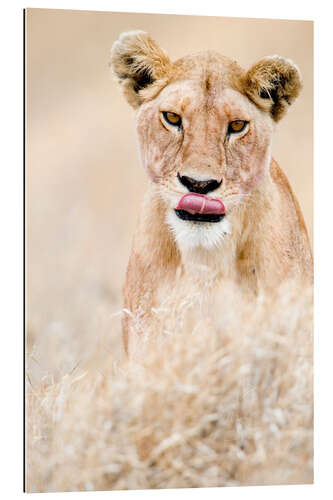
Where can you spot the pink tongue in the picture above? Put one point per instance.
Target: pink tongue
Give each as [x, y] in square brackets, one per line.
[196, 203]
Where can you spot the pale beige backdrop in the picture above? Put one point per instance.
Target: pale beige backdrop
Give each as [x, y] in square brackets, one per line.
[84, 181]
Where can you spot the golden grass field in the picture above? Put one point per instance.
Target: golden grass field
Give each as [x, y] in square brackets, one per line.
[226, 405]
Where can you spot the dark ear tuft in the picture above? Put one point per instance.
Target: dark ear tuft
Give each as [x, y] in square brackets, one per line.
[143, 79]
[264, 94]
[273, 83]
[138, 62]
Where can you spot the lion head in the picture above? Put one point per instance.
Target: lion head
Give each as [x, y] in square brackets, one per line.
[205, 129]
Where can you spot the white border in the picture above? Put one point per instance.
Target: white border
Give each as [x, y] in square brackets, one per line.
[11, 236]
[242, 8]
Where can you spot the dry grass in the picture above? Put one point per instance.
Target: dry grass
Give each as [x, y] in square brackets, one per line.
[229, 404]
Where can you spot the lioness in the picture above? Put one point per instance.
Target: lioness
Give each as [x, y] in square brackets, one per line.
[217, 201]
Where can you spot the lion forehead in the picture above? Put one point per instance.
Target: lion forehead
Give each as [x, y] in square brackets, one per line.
[194, 80]
[209, 67]
[188, 97]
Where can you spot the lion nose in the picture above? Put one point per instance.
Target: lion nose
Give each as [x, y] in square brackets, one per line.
[196, 186]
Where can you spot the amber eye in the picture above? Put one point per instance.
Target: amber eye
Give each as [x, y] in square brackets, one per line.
[237, 126]
[172, 118]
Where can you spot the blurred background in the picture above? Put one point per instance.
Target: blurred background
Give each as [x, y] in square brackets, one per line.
[84, 183]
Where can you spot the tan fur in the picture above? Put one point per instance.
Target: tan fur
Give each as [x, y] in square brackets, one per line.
[267, 242]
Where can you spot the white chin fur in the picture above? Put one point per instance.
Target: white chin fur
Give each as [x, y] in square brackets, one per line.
[189, 234]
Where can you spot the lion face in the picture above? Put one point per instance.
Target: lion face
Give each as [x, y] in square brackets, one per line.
[205, 130]
[201, 152]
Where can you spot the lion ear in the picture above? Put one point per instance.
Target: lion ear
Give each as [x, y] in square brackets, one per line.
[138, 62]
[273, 83]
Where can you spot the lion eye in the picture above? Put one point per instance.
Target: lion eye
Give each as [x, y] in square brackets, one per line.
[236, 126]
[172, 118]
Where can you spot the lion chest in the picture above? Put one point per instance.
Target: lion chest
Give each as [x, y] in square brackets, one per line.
[203, 275]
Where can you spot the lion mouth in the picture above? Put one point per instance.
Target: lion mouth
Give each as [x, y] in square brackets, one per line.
[184, 215]
[200, 208]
